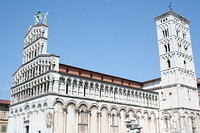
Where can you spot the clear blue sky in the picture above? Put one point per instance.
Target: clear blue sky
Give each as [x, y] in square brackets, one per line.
[116, 37]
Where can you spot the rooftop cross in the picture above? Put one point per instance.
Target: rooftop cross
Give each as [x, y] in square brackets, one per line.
[170, 6]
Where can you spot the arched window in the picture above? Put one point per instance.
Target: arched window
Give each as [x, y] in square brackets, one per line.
[168, 47]
[166, 123]
[193, 125]
[35, 53]
[83, 122]
[168, 63]
[166, 33]
[163, 96]
[42, 49]
[184, 62]
[177, 32]
[165, 48]
[167, 30]
[113, 120]
[39, 69]
[179, 47]
[163, 33]
[66, 88]
[184, 35]
[29, 55]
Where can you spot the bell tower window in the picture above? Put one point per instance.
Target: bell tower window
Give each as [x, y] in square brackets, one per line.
[165, 48]
[165, 32]
[168, 47]
[177, 32]
[184, 62]
[169, 63]
[184, 35]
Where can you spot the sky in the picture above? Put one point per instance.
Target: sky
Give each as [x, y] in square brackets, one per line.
[116, 37]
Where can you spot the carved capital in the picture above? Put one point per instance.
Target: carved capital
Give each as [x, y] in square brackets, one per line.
[98, 114]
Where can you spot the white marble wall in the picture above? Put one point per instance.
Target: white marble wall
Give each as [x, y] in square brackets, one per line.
[75, 115]
[180, 121]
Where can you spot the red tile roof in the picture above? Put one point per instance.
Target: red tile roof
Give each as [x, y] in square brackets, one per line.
[104, 77]
[4, 101]
[153, 80]
[198, 81]
[98, 76]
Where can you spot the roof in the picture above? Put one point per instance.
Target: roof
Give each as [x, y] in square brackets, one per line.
[37, 25]
[173, 13]
[5, 102]
[98, 76]
[72, 70]
[198, 81]
[153, 80]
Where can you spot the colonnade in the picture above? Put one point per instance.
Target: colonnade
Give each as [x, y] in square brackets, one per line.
[187, 122]
[33, 52]
[82, 119]
[34, 35]
[33, 69]
[109, 92]
[36, 87]
[36, 90]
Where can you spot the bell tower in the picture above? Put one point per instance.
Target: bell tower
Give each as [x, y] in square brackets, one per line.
[178, 78]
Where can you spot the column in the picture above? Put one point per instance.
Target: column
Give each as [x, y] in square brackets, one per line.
[71, 87]
[109, 123]
[98, 122]
[77, 87]
[50, 86]
[76, 120]
[89, 120]
[182, 123]
[65, 119]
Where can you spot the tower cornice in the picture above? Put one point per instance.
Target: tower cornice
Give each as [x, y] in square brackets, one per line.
[174, 14]
[35, 41]
[37, 25]
[43, 55]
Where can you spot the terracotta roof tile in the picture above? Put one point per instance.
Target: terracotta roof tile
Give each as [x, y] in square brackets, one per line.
[99, 76]
[4, 101]
[198, 81]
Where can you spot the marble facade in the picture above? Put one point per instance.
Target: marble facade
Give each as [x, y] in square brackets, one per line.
[50, 97]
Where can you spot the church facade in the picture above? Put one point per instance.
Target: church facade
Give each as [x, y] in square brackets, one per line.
[50, 97]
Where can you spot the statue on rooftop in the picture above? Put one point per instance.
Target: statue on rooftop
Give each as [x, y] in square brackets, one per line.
[40, 18]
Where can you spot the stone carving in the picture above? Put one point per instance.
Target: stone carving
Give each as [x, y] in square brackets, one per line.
[40, 18]
[45, 18]
[49, 119]
[133, 125]
[174, 125]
